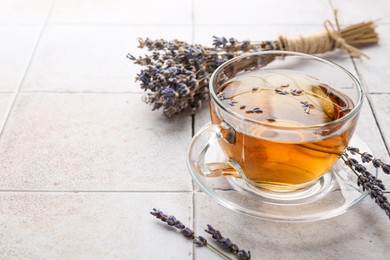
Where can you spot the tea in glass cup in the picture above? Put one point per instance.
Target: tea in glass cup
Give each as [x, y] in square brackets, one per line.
[281, 118]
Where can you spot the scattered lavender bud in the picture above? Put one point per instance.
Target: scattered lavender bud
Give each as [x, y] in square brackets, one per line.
[377, 163]
[352, 161]
[234, 248]
[307, 106]
[285, 86]
[386, 168]
[353, 150]
[271, 119]
[366, 157]
[281, 92]
[359, 168]
[179, 225]
[244, 255]
[257, 110]
[219, 42]
[255, 89]
[242, 107]
[232, 102]
[200, 241]
[188, 232]
[226, 243]
[296, 92]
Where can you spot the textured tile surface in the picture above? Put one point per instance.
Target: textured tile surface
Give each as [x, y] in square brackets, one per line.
[92, 142]
[80, 171]
[261, 12]
[122, 12]
[361, 10]
[381, 107]
[5, 103]
[17, 47]
[91, 58]
[91, 226]
[374, 71]
[24, 11]
[346, 236]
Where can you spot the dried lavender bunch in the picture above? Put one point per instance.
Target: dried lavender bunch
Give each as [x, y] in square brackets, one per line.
[366, 180]
[176, 74]
[187, 232]
[227, 244]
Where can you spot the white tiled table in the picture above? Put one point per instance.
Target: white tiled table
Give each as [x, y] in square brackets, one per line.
[83, 160]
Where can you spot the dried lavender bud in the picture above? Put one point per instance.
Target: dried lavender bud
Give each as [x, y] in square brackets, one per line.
[351, 161]
[200, 241]
[377, 163]
[219, 42]
[188, 232]
[179, 225]
[386, 168]
[232, 102]
[307, 106]
[366, 157]
[271, 119]
[255, 89]
[244, 255]
[226, 243]
[296, 92]
[285, 86]
[242, 107]
[353, 150]
[359, 168]
[281, 92]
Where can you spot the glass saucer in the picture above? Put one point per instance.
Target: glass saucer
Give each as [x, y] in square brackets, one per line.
[334, 193]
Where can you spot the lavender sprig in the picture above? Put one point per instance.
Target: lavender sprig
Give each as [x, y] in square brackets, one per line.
[366, 180]
[227, 244]
[187, 232]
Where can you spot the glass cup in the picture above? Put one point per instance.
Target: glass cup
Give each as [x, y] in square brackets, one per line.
[277, 145]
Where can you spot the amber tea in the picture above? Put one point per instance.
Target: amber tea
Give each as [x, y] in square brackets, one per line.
[271, 157]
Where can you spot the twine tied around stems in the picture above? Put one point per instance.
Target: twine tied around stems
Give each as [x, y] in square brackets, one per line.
[333, 37]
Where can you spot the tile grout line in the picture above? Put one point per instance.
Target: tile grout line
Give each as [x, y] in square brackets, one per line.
[8, 113]
[367, 94]
[77, 92]
[193, 130]
[95, 191]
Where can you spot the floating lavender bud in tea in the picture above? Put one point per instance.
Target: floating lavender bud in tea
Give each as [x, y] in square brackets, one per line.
[271, 119]
[281, 92]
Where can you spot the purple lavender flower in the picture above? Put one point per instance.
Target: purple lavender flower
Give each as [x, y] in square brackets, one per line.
[227, 244]
[366, 180]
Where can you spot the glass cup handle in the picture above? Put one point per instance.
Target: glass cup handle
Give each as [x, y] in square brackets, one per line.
[207, 137]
